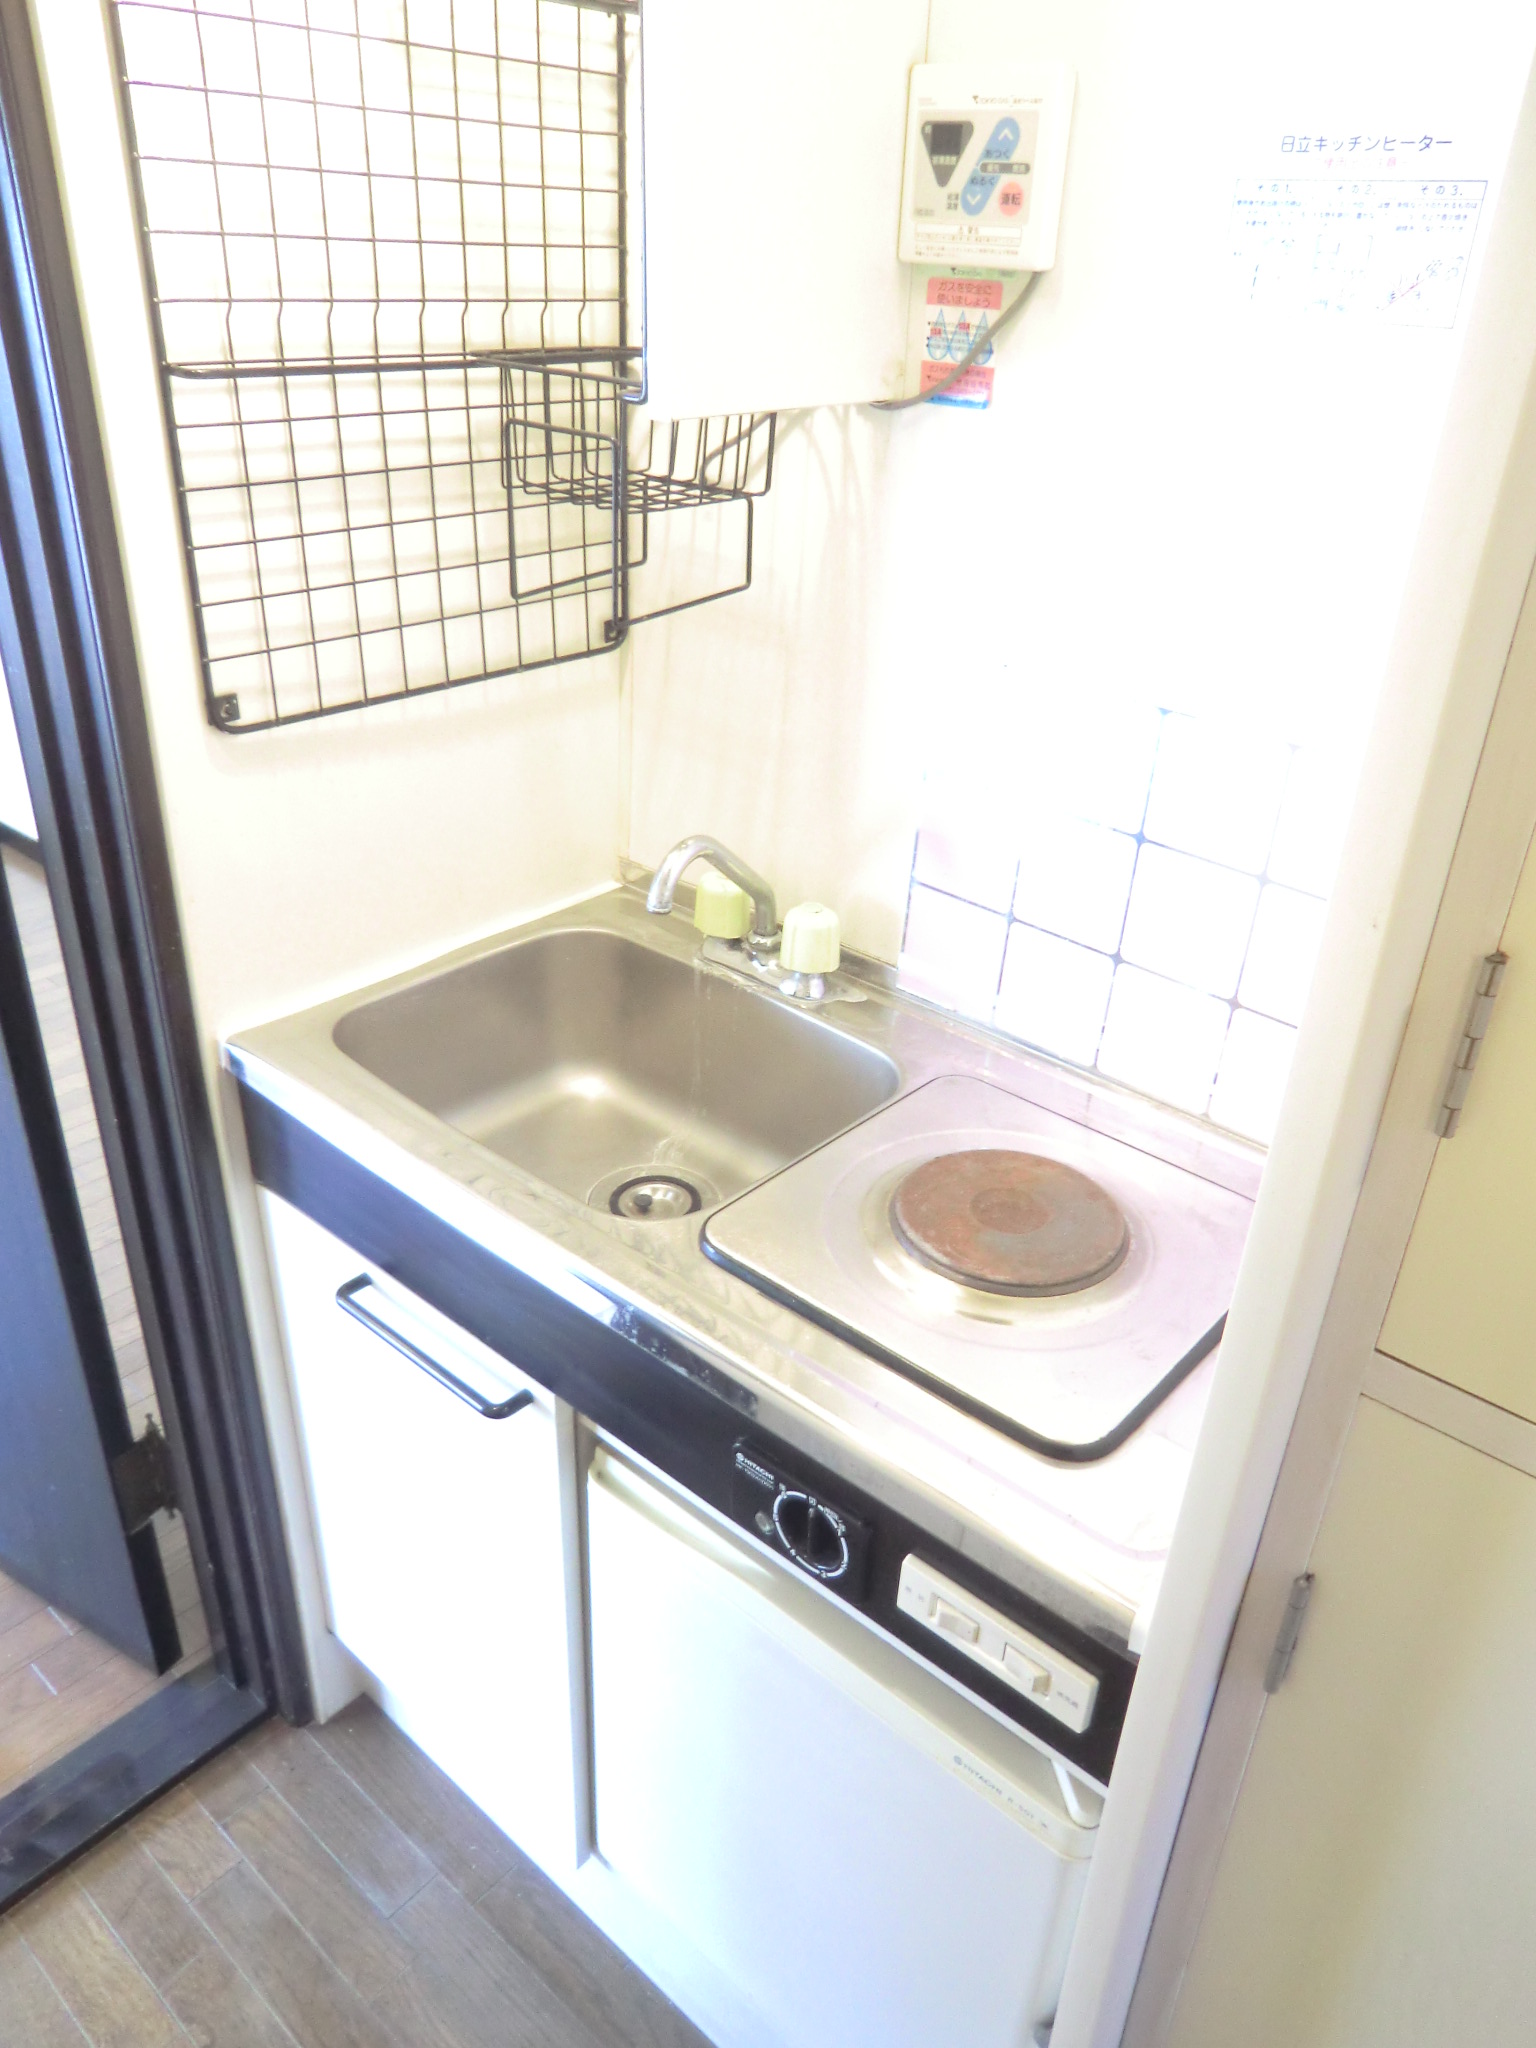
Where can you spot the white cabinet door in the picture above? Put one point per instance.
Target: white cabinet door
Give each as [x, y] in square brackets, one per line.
[441, 1534]
[1465, 1300]
[869, 1859]
[1375, 1887]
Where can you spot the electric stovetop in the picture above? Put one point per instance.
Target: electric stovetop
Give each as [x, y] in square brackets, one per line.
[1049, 1279]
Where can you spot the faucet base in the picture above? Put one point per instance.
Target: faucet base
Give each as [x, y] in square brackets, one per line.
[758, 960]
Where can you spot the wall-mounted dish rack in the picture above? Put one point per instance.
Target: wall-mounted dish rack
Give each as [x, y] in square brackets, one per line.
[391, 268]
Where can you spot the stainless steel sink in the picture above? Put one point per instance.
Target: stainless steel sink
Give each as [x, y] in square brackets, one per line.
[618, 1073]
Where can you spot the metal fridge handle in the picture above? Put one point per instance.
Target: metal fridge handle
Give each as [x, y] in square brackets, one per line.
[493, 1411]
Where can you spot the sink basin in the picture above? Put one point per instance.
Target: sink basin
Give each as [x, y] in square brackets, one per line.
[617, 1073]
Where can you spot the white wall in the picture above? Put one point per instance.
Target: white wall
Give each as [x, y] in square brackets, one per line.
[780, 720]
[1176, 500]
[328, 854]
[15, 802]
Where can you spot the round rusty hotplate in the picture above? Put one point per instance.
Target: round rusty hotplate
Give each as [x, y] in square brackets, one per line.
[1010, 1222]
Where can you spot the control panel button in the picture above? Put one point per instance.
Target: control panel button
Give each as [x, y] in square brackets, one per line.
[1050, 1680]
[916, 1597]
[1026, 1671]
[954, 1621]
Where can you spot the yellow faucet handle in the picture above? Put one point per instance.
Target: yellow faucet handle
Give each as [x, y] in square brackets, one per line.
[720, 909]
[812, 941]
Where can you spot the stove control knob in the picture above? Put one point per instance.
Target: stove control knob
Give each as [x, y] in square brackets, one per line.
[815, 1535]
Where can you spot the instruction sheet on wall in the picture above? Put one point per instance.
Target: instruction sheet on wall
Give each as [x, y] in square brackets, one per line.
[1391, 250]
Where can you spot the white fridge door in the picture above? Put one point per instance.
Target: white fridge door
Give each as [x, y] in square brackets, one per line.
[871, 1859]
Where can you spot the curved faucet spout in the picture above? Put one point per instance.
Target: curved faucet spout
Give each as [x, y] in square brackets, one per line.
[765, 915]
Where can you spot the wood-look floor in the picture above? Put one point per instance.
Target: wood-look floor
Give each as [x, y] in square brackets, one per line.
[58, 1683]
[318, 1889]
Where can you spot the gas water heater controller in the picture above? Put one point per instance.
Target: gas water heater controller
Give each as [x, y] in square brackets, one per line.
[986, 158]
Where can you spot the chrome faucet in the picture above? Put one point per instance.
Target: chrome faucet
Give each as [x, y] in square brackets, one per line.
[765, 913]
[809, 977]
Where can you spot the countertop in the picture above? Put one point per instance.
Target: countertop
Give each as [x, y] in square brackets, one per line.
[1090, 1540]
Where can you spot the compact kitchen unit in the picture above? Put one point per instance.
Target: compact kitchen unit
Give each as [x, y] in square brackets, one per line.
[737, 1417]
[776, 1585]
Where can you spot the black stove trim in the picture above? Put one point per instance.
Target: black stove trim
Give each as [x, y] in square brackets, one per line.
[956, 1397]
[669, 1406]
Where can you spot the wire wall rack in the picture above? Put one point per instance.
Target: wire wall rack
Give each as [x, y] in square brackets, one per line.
[397, 306]
[573, 438]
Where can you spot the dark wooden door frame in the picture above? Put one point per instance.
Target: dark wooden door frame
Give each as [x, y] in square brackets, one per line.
[67, 645]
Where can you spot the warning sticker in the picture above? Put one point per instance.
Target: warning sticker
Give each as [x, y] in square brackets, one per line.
[973, 387]
[954, 313]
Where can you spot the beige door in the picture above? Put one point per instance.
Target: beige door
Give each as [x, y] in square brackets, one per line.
[1464, 1307]
[1377, 1888]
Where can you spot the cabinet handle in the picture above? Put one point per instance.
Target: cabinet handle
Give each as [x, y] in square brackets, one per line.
[493, 1411]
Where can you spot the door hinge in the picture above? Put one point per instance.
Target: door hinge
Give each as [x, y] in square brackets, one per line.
[143, 1478]
[1288, 1633]
[1489, 977]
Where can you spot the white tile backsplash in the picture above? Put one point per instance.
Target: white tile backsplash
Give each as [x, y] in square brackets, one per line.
[953, 951]
[1189, 919]
[1087, 759]
[1166, 877]
[1074, 878]
[1254, 1063]
[970, 864]
[1163, 1037]
[1054, 994]
[1282, 953]
[1313, 814]
[1216, 793]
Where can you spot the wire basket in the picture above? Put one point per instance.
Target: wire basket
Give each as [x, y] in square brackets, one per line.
[575, 438]
[388, 249]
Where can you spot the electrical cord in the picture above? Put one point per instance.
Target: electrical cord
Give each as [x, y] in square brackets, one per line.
[984, 340]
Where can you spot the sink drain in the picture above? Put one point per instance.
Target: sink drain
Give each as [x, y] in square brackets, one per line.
[655, 1198]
